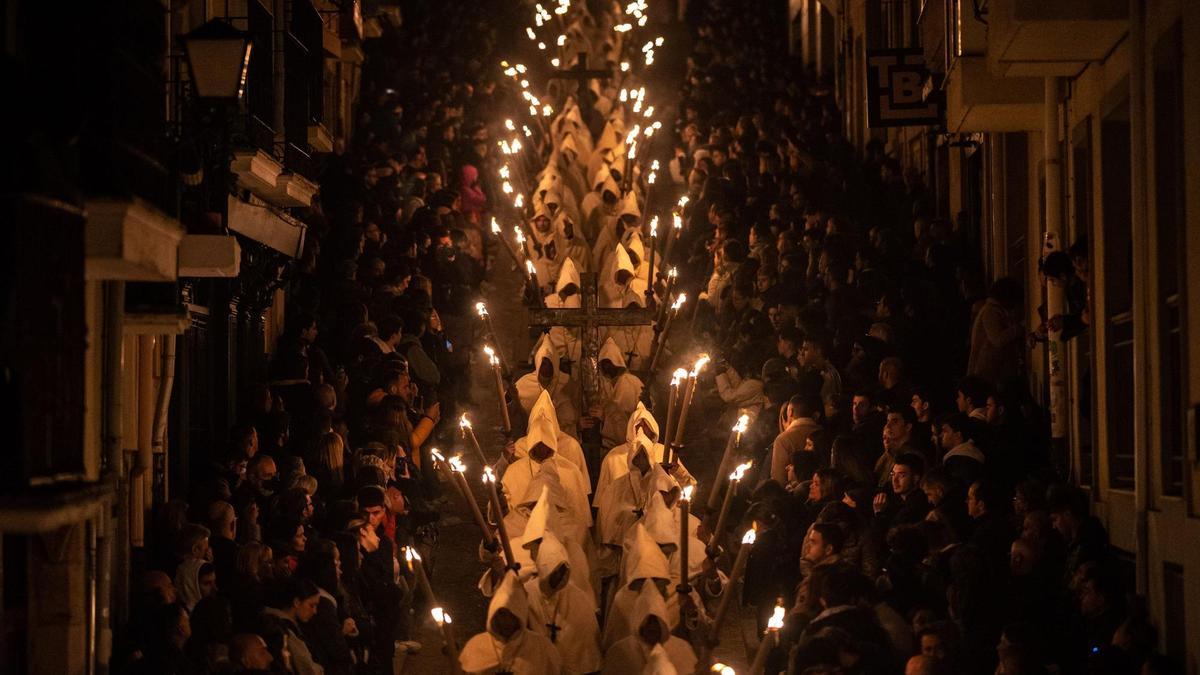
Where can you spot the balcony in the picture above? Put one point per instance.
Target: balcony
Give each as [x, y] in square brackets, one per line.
[130, 240]
[1035, 38]
[977, 100]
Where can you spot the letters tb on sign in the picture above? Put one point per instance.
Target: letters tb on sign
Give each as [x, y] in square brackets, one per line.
[895, 89]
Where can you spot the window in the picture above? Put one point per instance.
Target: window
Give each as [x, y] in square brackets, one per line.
[1118, 289]
[1169, 226]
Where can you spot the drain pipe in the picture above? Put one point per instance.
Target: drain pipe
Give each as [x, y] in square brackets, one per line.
[117, 532]
[1141, 290]
[166, 385]
[1052, 242]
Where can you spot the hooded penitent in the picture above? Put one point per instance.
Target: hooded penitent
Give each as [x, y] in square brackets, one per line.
[575, 246]
[634, 654]
[643, 564]
[662, 522]
[619, 275]
[618, 395]
[518, 476]
[522, 652]
[615, 462]
[626, 497]
[567, 448]
[563, 611]
[530, 386]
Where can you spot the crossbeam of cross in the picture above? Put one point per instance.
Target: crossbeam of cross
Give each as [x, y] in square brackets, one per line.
[580, 73]
[590, 319]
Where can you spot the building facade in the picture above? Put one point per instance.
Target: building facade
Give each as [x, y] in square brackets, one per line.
[149, 230]
[1060, 123]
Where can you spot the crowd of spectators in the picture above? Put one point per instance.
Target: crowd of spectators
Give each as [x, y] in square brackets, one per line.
[285, 555]
[909, 515]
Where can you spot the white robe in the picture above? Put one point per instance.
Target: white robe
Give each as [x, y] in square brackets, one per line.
[529, 388]
[525, 653]
[523, 471]
[566, 615]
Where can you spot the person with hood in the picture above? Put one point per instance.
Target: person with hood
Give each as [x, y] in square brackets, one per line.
[568, 446]
[575, 247]
[542, 453]
[619, 393]
[548, 376]
[564, 612]
[629, 216]
[643, 564]
[625, 500]
[619, 274]
[474, 201]
[544, 508]
[615, 464]
[508, 646]
[566, 296]
[543, 247]
[601, 202]
[651, 647]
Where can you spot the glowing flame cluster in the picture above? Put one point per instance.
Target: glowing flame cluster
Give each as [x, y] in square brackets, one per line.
[739, 472]
[491, 354]
[456, 464]
[742, 424]
[488, 476]
[678, 376]
[776, 620]
[678, 304]
[440, 616]
[702, 360]
[686, 493]
[749, 537]
[464, 422]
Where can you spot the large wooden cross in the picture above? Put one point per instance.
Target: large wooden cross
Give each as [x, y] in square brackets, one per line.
[590, 319]
[580, 72]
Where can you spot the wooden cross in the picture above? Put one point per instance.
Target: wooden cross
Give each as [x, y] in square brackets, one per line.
[580, 72]
[553, 628]
[590, 319]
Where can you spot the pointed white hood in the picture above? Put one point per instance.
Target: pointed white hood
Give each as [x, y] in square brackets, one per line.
[544, 407]
[510, 595]
[630, 207]
[541, 430]
[644, 559]
[622, 262]
[660, 521]
[568, 276]
[640, 414]
[551, 555]
[611, 352]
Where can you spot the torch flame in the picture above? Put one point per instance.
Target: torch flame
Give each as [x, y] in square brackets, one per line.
[440, 615]
[504, 172]
[479, 306]
[672, 273]
[456, 464]
[776, 620]
[747, 538]
[463, 422]
[410, 554]
[678, 376]
[678, 221]
[529, 267]
[437, 456]
[686, 493]
[487, 349]
[519, 201]
[488, 476]
[742, 424]
[508, 124]
[654, 226]
[740, 471]
[722, 669]
[679, 300]
[683, 201]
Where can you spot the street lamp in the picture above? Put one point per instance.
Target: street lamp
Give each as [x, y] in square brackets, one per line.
[218, 57]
